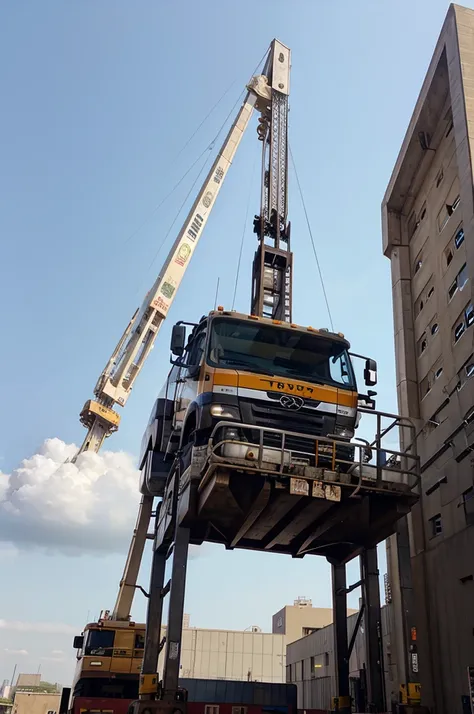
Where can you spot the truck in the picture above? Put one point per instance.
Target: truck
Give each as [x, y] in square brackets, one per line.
[253, 371]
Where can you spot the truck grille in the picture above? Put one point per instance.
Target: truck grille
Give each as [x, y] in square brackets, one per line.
[313, 424]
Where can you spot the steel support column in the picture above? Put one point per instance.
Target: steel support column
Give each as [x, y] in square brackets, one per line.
[339, 606]
[175, 614]
[154, 616]
[373, 630]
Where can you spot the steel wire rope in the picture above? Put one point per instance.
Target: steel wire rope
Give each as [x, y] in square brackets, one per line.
[312, 239]
[187, 142]
[209, 148]
[243, 232]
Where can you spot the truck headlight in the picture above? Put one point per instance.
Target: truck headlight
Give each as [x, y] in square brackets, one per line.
[224, 411]
[231, 434]
[344, 432]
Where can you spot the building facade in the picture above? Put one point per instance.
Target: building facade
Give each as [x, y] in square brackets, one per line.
[310, 665]
[428, 235]
[248, 655]
[301, 619]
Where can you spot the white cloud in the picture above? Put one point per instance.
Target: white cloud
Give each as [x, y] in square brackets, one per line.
[57, 653]
[51, 628]
[88, 506]
[23, 653]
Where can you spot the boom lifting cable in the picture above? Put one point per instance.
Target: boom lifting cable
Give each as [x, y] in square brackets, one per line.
[312, 239]
[209, 148]
[243, 232]
[187, 142]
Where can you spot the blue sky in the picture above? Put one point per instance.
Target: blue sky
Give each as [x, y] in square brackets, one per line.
[98, 100]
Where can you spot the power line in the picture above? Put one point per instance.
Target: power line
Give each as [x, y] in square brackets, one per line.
[312, 240]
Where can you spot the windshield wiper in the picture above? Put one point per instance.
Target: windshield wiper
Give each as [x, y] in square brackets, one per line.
[250, 367]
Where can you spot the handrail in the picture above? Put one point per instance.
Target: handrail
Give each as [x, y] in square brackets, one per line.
[409, 462]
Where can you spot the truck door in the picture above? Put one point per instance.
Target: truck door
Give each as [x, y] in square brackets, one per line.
[188, 383]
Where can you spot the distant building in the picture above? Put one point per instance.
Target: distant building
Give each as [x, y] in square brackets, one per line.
[35, 703]
[310, 665]
[28, 680]
[301, 619]
[250, 655]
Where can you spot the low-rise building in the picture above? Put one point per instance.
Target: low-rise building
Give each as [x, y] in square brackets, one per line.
[310, 664]
[301, 619]
[249, 655]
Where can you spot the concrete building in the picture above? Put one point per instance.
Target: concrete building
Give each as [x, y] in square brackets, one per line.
[35, 703]
[225, 654]
[428, 234]
[28, 680]
[301, 619]
[250, 654]
[310, 665]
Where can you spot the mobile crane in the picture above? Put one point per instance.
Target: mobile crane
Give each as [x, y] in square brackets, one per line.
[286, 479]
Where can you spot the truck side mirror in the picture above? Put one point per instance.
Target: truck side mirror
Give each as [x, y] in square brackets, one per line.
[78, 642]
[178, 339]
[370, 372]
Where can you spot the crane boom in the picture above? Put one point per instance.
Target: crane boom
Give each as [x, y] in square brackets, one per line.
[116, 380]
[273, 262]
[269, 93]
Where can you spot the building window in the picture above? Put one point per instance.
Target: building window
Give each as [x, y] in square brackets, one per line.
[446, 212]
[459, 331]
[459, 282]
[459, 237]
[211, 709]
[434, 328]
[439, 178]
[469, 370]
[422, 344]
[313, 668]
[469, 315]
[465, 320]
[436, 525]
[425, 295]
[468, 504]
[449, 129]
[239, 710]
[438, 373]
[309, 630]
[418, 264]
[326, 659]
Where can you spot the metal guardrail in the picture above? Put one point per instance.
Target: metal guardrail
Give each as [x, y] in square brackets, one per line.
[371, 461]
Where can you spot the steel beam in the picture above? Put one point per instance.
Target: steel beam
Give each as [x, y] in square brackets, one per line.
[373, 630]
[154, 615]
[176, 610]
[339, 606]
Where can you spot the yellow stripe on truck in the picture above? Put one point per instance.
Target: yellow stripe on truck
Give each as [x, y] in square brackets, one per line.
[321, 393]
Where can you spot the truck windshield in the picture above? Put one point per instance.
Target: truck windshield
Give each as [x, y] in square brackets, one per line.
[268, 349]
